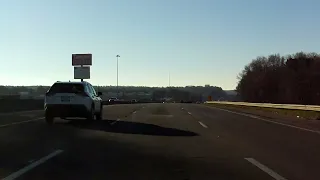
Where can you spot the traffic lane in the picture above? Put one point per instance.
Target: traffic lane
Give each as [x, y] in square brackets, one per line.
[198, 145]
[152, 143]
[9, 118]
[23, 143]
[21, 112]
[121, 110]
[291, 152]
[112, 111]
[207, 146]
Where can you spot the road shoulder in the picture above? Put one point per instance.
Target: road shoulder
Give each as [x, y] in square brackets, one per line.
[313, 125]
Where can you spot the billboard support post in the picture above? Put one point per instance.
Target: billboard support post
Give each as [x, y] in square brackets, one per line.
[81, 79]
[118, 75]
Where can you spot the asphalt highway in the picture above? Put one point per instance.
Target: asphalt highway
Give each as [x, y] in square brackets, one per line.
[156, 141]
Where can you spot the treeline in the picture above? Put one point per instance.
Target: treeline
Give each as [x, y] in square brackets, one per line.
[282, 79]
[188, 93]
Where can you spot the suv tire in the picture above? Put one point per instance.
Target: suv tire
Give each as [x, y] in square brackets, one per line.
[91, 114]
[49, 119]
[100, 114]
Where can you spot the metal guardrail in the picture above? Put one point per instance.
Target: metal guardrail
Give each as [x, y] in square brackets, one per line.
[269, 105]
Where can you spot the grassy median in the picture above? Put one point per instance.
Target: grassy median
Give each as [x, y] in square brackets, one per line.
[266, 111]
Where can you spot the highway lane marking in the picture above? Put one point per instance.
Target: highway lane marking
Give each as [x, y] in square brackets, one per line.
[20, 122]
[182, 108]
[28, 115]
[202, 124]
[134, 112]
[19, 112]
[255, 117]
[265, 169]
[33, 165]
[189, 113]
[115, 121]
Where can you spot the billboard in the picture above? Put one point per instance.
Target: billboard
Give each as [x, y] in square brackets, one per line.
[82, 72]
[81, 59]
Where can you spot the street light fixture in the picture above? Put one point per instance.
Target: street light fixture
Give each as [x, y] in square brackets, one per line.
[118, 75]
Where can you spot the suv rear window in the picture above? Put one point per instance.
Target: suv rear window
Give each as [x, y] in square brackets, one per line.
[66, 88]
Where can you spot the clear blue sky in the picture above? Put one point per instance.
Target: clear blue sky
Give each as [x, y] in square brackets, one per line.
[199, 41]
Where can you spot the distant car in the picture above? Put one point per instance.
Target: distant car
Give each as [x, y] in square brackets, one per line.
[133, 101]
[72, 99]
[112, 99]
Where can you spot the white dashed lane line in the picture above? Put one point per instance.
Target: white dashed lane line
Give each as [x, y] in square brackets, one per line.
[265, 169]
[202, 124]
[20, 112]
[20, 122]
[114, 122]
[24, 170]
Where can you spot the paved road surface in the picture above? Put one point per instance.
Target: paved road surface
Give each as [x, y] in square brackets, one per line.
[156, 141]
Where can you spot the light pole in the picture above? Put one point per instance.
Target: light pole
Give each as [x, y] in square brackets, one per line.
[118, 75]
[169, 79]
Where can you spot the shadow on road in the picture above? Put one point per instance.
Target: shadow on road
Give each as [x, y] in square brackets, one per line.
[129, 128]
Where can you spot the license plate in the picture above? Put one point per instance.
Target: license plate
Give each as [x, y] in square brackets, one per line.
[65, 99]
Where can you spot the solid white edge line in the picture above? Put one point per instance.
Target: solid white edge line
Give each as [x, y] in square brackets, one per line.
[265, 169]
[31, 166]
[20, 122]
[202, 124]
[255, 117]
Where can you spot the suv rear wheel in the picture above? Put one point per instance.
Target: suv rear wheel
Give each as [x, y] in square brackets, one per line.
[91, 114]
[100, 114]
[49, 119]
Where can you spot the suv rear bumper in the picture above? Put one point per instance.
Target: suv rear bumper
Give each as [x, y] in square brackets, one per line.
[66, 110]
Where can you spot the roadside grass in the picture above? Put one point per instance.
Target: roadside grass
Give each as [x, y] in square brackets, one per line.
[301, 114]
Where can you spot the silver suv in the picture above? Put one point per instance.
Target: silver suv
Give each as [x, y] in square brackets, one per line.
[72, 99]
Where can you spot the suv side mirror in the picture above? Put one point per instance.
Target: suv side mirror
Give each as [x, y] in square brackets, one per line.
[99, 93]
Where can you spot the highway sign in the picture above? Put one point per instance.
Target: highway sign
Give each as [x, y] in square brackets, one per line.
[81, 59]
[82, 72]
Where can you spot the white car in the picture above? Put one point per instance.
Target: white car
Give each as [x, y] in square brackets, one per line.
[72, 99]
[112, 99]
